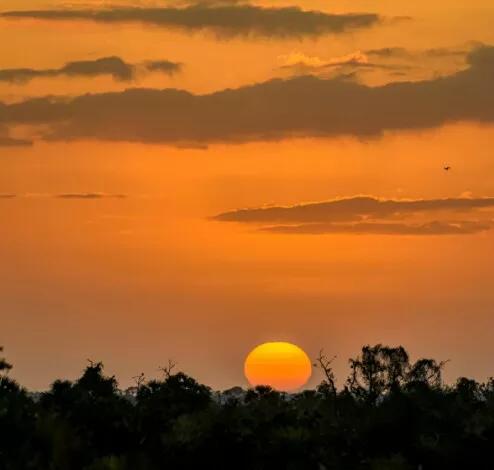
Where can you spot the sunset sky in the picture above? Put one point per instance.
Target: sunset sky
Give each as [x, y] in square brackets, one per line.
[183, 180]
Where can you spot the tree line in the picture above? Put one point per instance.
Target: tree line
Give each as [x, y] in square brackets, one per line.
[390, 414]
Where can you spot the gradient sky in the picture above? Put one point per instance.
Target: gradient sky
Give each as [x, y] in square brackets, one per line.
[152, 211]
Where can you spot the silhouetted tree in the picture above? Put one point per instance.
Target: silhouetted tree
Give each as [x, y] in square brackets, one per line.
[17, 424]
[391, 415]
[378, 370]
[328, 385]
[4, 365]
[426, 372]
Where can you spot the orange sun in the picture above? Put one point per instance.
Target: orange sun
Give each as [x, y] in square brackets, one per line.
[280, 365]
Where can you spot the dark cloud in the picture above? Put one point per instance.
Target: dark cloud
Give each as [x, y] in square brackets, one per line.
[353, 209]
[226, 20]
[369, 215]
[389, 52]
[190, 3]
[446, 52]
[302, 64]
[114, 66]
[301, 106]
[84, 196]
[89, 196]
[11, 142]
[438, 52]
[164, 66]
[374, 228]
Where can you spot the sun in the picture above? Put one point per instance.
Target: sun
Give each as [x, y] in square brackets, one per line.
[283, 366]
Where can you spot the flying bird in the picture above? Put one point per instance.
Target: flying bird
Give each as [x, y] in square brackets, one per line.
[447, 168]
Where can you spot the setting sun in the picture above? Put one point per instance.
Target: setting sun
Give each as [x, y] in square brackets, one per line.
[280, 365]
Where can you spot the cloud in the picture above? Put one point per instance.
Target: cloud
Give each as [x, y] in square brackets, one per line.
[67, 196]
[437, 52]
[302, 64]
[373, 228]
[357, 208]
[446, 52]
[301, 106]
[298, 58]
[225, 19]
[89, 196]
[190, 3]
[389, 52]
[164, 66]
[370, 215]
[11, 142]
[114, 66]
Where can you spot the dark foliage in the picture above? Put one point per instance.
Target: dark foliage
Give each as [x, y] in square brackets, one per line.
[392, 414]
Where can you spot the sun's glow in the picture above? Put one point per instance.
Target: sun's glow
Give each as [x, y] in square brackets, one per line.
[283, 366]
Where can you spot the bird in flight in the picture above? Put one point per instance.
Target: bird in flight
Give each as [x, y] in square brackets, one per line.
[447, 168]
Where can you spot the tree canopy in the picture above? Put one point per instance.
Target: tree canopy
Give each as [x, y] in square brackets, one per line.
[390, 414]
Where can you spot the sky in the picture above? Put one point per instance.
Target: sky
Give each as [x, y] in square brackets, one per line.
[185, 181]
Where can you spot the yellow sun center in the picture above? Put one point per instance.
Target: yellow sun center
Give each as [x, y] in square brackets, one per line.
[283, 366]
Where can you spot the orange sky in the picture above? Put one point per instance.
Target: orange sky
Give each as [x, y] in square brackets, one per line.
[139, 279]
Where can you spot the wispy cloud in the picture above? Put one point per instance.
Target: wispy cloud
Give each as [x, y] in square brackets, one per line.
[366, 214]
[164, 66]
[374, 228]
[298, 58]
[68, 196]
[301, 106]
[12, 142]
[354, 209]
[225, 19]
[387, 52]
[301, 63]
[89, 196]
[434, 52]
[113, 66]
